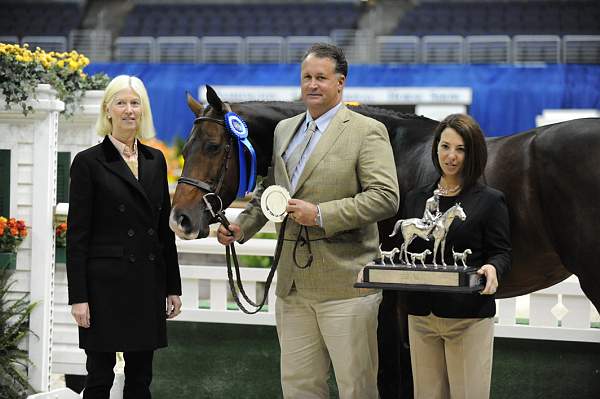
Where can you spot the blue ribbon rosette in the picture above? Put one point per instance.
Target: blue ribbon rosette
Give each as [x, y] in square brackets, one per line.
[246, 154]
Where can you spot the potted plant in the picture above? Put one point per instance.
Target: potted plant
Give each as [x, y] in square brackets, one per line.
[12, 233]
[22, 70]
[14, 326]
[61, 243]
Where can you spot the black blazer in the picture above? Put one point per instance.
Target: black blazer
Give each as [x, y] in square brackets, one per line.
[485, 231]
[121, 254]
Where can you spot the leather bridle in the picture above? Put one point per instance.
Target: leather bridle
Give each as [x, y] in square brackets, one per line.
[209, 190]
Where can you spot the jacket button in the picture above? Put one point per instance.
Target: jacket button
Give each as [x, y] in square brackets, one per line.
[122, 208]
[151, 257]
[150, 231]
[130, 232]
[132, 258]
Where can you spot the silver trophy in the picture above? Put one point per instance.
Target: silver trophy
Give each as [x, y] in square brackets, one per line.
[433, 224]
[414, 272]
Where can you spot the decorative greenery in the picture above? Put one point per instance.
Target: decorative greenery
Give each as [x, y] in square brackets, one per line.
[12, 233]
[61, 235]
[21, 70]
[14, 327]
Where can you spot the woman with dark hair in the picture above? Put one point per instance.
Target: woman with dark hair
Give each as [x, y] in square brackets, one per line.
[451, 335]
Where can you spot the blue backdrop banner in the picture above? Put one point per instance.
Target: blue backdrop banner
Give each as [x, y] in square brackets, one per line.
[506, 99]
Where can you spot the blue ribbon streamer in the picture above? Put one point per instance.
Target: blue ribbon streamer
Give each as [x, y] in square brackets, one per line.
[247, 175]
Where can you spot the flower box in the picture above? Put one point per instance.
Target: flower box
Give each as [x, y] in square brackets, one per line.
[8, 260]
[60, 255]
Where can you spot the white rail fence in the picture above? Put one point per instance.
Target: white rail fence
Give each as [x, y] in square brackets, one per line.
[206, 299]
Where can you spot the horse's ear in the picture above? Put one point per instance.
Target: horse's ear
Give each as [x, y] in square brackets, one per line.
[194, 105]
[213, 99]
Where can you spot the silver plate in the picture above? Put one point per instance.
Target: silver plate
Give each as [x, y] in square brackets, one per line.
[273, 202]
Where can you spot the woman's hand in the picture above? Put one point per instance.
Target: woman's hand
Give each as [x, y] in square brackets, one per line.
[491, 279]
[81, 314]
[173, 306]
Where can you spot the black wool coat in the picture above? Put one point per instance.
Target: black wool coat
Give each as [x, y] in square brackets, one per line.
[485, 231]
[121, 254]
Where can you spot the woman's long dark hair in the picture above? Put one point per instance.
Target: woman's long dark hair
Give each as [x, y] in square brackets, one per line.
[475, 147]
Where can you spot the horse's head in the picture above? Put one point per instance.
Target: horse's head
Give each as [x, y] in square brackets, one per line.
[210, 173]
[459, 212]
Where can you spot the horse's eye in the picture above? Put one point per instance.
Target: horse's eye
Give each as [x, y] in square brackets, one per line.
[212, 148]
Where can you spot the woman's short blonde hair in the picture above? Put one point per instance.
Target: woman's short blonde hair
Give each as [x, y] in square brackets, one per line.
[104, 125]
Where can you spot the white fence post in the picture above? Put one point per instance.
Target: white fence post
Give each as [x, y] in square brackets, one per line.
[32, 141]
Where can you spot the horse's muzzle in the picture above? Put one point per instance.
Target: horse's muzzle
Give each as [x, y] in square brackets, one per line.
[182, 224]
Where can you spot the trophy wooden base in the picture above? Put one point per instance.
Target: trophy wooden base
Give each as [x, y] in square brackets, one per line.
[422, 278]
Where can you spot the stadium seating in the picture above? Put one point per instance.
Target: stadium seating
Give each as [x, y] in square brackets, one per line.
[573, 17]
[436, 32]
[305, 19]
[38, 19]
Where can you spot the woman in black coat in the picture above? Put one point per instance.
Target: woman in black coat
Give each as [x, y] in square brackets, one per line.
[122, 267]
[451, 335]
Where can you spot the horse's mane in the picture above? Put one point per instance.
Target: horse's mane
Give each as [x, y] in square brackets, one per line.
[378, 111]
[360, 108]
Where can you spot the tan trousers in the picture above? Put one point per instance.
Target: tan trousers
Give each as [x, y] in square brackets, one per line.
[314, 334]
[451, 358]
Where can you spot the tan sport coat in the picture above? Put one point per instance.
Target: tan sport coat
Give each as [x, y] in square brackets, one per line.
[352, 177]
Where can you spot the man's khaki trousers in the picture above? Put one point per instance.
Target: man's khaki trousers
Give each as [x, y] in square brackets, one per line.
[314, 334]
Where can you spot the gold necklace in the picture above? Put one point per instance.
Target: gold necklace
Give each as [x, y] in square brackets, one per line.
[450, 190]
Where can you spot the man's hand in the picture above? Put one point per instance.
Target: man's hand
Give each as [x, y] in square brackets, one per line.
[81, 314]
[226, 237]
[302, 212]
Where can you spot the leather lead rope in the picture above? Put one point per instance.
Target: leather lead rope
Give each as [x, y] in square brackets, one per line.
[230, 253]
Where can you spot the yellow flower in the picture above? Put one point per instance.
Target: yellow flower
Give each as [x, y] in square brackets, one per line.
[73, 65]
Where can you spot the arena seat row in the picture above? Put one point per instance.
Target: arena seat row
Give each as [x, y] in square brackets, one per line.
[31, 19]
[515, 17]
[305, 19]
[507, 18]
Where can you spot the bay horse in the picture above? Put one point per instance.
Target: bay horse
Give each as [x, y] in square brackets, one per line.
[550, 176]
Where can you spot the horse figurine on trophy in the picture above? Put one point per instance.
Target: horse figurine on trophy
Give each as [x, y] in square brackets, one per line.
[438, 229]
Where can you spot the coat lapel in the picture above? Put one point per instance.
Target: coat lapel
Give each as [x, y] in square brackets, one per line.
[146, 168]
[287, 134]
[113, 161]
[328, 139]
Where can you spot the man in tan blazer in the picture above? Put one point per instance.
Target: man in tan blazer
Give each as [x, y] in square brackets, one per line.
[341, 183]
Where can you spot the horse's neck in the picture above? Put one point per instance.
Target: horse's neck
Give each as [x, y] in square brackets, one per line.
[449, 217]
[261, 118]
